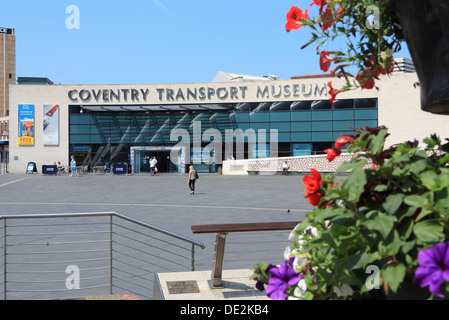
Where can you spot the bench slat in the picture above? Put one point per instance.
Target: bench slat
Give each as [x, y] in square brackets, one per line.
[242, 227]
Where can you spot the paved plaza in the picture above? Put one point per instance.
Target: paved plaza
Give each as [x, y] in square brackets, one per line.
[163, 200]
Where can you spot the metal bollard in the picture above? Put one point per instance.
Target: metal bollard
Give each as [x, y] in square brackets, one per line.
[217, 265]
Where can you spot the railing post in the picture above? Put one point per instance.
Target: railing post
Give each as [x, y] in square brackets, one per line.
[110, 253]
[193, 258]
[217, 265]
[4, 259]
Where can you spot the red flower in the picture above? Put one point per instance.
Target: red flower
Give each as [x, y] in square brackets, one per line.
[294, 16]
[312, 183]
[377, 70]
[340, 142]
[314, 199]
[327, 18]
[340, 14]
[365, 80]
[325, 60]
[332, 92]
[332, 153]
[320, 3]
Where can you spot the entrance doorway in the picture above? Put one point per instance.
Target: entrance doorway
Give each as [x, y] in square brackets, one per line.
[170, 159]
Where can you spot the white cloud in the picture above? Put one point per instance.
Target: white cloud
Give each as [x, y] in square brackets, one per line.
[160, 4]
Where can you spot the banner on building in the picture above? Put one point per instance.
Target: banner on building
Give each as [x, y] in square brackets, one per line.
[51, 125]
[26, 125]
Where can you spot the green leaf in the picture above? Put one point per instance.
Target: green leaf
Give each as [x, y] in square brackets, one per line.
[393, 202]
[393, 275]
[435, 182]
[407, 246]
[423, 213]
[418, 166]
[442, 202]
[429, 231]
[405, 228]
[393, 244]
[362, 260]
[355, 183]
[443, 160]
[302, 226]
[381, 188]
[405, 212]
[377, 141]
[382, 223]
[308, 295]
[401, 158]
[329, 213]
[416, 201]
[349, 166]
[428, 179]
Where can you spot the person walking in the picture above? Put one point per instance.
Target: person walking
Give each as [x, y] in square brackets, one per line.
[73, 167]
[192, 178]
[153, 162]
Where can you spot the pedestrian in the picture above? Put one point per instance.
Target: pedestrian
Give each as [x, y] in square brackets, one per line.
[73, 167]
[153, 162]
[192, 178]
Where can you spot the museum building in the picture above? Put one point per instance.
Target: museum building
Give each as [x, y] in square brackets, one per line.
[205, 123]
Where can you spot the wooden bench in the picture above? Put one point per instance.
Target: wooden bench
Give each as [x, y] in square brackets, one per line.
[221, 231]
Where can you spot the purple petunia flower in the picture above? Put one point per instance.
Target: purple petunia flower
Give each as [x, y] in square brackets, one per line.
[281, 278]
[433, 267]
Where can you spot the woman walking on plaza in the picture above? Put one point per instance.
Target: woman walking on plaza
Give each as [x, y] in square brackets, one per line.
[192, 179]
[73, 167]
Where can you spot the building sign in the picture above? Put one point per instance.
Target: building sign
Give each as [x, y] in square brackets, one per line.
[26, 125]
[80, 148]
[221, 93]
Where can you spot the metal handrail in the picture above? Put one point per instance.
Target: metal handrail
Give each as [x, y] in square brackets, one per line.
[4, 243]
[222, 230]
[98, 214]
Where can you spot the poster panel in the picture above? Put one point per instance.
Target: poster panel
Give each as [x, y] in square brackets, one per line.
[51, 125]
[26, 125]
[301, 149]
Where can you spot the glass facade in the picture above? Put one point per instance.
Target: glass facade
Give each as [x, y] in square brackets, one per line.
[126, 134]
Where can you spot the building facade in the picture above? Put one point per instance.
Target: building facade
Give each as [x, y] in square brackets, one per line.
[204, 123]
[7, 77]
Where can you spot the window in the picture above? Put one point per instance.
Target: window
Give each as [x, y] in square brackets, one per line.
[365, 103]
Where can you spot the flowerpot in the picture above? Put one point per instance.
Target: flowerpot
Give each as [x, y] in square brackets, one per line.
[425, 26]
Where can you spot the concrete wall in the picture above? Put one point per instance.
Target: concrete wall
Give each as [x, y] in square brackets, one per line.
[299, 164]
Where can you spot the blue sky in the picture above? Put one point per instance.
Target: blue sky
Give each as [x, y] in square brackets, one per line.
[157, 41]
